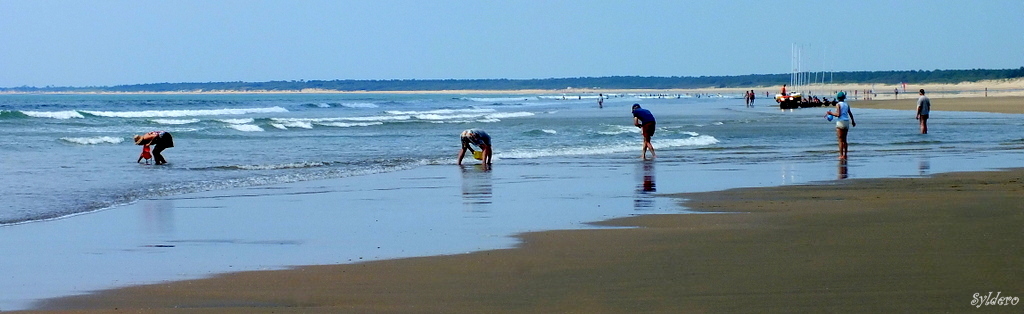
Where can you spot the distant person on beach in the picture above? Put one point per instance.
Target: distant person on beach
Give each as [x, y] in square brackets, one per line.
[843, 123]
[752, 98]
[600, 100]
[924, 107]
[481, 140]
[784, 90]
[160, 140]
[896, 93]
[644, 119]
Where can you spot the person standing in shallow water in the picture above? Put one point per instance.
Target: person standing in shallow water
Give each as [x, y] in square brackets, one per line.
[924, 107]
[843, 123]
[644, 119]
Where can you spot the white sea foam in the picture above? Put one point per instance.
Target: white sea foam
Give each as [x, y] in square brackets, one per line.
[491, 117]
[359, 105]
[246, 127]
[498, 99]
[550, 131]
[434, 116]
[284, 124]
[299, 124]
[54, 114]
[578, 151]
[305, 123]
[183, 113]
[504, 115]
[174, 121]
[348, 124]
[618, 129]
[378, 118]
[702, 140]
[440, 111]
[309, 164]
[237, 121]
[93, 140]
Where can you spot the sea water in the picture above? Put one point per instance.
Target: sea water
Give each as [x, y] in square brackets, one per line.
[63, 155]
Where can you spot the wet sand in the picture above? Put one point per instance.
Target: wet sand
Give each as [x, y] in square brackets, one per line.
[1008, 104]
[873, 245]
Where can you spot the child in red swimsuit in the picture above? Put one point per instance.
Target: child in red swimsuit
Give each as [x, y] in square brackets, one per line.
[145, 154]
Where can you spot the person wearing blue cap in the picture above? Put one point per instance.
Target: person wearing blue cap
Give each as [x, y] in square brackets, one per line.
[843, 122]
[644, 119]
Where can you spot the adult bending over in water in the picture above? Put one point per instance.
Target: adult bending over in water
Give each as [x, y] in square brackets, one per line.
[160, 140]
[478, 138]
[843, 123]
[644, 119]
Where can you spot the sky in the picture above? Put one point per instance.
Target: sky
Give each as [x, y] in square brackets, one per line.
[115, 42]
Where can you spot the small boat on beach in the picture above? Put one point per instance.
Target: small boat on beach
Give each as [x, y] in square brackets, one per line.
[789, 100]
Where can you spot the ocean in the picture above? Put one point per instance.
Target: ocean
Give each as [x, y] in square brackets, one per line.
[64, 155]
[271, 181]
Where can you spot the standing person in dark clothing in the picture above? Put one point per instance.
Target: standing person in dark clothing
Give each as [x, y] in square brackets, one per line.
[924, 107]
[644, 119]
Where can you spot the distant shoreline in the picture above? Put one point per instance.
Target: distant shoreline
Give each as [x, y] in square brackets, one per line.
[993, 88]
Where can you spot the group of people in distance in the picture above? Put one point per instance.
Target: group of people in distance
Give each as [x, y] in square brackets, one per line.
[642, 118]
[748, 97]
[814, 101]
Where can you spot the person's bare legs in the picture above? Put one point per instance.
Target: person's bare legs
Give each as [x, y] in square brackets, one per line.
[651, 147]
[841, 135]
[647, 145]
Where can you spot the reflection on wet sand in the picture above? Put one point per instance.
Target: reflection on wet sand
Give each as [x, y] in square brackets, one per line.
[476, 185]
[843, 170]
[924, 166]
[158, 216]
[643, 195]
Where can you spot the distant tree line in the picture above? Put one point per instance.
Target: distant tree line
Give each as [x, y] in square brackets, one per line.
[610, 82]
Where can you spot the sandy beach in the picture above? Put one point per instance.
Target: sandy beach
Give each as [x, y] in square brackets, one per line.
[865, 245]
[1008, 104]
[883, 245]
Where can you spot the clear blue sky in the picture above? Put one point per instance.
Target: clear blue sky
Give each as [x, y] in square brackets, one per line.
[112, 42]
